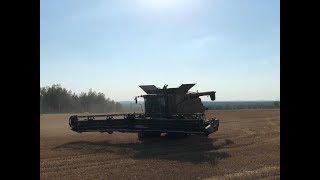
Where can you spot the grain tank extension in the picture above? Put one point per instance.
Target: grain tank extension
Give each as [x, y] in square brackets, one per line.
[167, 110]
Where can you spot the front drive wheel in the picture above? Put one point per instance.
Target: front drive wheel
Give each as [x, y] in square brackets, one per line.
[173, 135]
[142, 135]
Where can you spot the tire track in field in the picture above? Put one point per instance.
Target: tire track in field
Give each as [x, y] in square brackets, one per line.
[245, 174]
[81, 166]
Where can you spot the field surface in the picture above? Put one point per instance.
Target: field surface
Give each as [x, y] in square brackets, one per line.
[246, 146]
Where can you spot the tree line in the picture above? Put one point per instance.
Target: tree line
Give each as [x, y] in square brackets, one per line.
[56, 99]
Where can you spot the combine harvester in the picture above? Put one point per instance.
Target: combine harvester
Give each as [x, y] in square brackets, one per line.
[174, 111]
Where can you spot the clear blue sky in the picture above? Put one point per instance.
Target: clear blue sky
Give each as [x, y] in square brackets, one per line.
[229, 46]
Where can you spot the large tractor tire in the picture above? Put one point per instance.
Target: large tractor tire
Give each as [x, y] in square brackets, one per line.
[172, 135]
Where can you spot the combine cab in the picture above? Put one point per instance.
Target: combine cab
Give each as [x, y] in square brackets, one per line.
[174, 111]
